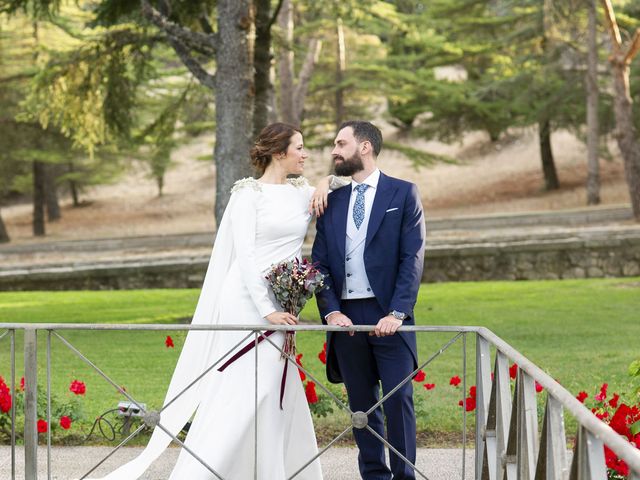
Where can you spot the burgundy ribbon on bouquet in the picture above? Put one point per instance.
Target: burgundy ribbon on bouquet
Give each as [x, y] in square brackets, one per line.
[247, 348]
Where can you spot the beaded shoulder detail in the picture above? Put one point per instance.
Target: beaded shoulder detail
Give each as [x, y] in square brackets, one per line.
[298, 182]
[248, 182]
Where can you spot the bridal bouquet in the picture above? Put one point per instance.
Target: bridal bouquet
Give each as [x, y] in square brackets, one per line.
[293, 283]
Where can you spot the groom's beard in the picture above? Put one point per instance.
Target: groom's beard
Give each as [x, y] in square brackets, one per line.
[348, 166]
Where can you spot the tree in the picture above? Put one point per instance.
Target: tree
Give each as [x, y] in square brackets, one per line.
[593, 177]
[4, 235]
[626, 133]
[513, 55]
[292, 91]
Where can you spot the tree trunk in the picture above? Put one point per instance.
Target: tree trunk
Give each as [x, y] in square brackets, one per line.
[4, 235]
[546, 154]
[625, 134]
[38, 198]
[262, 65]
[285, 65]
[234, 98]
[593, 177]
[340, 67]
[51, 193]
[313, 55]
[73, 187]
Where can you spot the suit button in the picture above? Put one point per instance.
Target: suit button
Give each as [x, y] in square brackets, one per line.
[348, 258]
[348, 274]
[368, 289]
[350, 291]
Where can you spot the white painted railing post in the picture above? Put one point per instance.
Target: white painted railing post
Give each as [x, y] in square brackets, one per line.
[483, 390]
[30, 404]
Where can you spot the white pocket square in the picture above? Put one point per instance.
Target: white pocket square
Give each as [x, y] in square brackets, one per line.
[391, 210]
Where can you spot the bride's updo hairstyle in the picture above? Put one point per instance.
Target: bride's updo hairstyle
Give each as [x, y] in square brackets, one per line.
[273, 139]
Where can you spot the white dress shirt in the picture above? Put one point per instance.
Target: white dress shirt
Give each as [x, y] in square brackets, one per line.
[356, 284]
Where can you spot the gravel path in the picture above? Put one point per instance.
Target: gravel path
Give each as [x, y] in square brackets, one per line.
[337, 463]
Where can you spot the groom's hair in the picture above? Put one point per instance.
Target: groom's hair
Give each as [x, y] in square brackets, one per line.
[363, 130]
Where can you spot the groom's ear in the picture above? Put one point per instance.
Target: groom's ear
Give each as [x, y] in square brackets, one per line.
[365, 147]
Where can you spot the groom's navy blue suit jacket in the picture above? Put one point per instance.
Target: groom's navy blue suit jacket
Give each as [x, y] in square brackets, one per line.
[393, 255]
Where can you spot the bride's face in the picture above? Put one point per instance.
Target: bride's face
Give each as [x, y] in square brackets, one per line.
[293, 161]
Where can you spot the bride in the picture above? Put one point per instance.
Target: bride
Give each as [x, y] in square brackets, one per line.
[264, 224]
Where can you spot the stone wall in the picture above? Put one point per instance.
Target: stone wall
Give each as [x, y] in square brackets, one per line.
[610, 255]
[615, 256]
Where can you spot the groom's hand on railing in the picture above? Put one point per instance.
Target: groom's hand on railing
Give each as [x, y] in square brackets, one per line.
[282, 318]
[340, 320]
[386, 326]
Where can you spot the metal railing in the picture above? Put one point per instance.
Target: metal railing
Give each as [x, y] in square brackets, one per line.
[507, 443]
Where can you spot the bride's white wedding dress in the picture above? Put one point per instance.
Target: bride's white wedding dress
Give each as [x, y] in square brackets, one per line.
[263, 224]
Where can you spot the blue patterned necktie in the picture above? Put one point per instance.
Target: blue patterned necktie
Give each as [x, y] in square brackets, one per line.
[358, 206]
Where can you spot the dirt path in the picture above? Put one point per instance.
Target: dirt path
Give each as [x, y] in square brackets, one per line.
[489, 178]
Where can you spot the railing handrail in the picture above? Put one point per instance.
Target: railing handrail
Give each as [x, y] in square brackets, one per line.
[188, 326]
[582, 414]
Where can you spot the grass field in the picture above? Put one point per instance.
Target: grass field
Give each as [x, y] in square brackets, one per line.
[582, 332]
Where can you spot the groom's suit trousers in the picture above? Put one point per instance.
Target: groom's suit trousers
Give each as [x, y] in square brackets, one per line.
[366, 362]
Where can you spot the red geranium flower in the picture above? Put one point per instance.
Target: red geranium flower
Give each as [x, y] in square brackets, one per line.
[323, 354]
[455, 381]
[78, 387]
[303, 377]
[42, 426]
[22, 384]
[539, 388]
[429, 386]
[470, 404]
[5, 401]
[65, 422]
[582, 396]
[615, 463]
[513, 370]
[169, 342]
[472, 391]
[420, 376]
[613, 403]
[5, 397]
[310, 392]
[602, 396]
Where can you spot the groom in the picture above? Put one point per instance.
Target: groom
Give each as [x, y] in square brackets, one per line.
[370, 244]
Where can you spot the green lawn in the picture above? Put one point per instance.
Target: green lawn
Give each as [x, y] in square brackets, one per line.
[582, 332]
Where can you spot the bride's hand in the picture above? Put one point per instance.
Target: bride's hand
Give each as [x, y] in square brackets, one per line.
[282, 318]
[319, 199]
